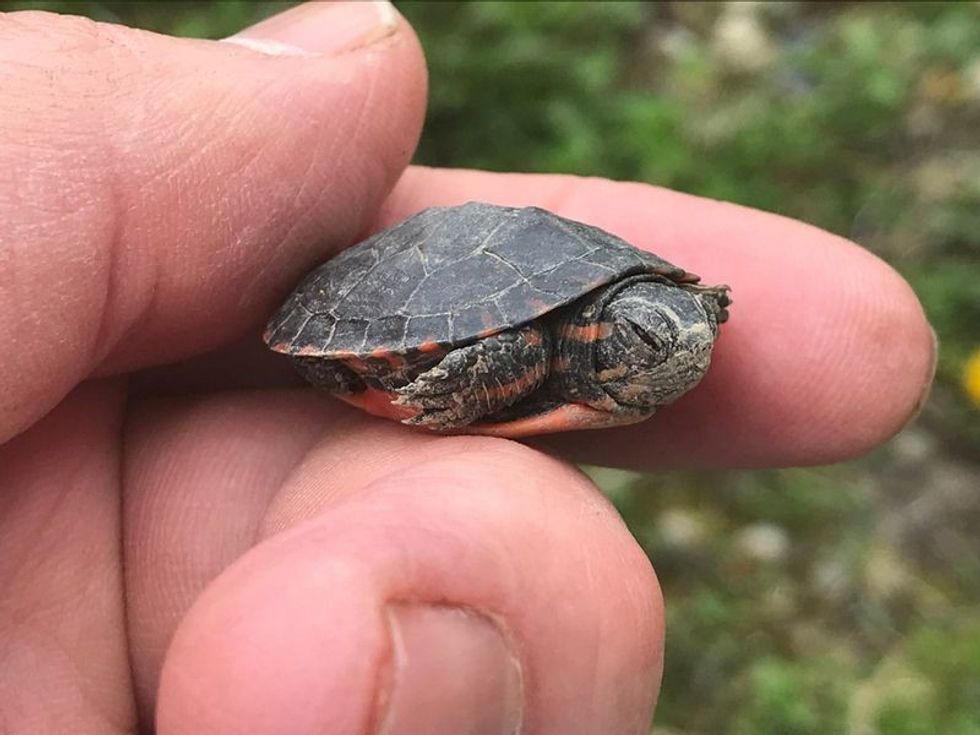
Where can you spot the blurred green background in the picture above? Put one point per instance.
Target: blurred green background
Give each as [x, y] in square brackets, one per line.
[843, 599]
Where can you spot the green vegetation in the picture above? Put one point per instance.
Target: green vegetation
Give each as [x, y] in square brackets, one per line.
[842, 599]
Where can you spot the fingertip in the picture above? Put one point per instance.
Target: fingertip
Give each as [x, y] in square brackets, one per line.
[827, 355]
[889, 361]
[474, 588]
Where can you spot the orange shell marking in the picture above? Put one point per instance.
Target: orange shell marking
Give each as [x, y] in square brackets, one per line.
[429, 346]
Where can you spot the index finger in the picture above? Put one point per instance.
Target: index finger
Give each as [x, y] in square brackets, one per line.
[827, 352]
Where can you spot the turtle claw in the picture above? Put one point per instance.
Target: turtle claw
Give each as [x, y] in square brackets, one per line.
[437, 416]
[434, 421]
[436, 411]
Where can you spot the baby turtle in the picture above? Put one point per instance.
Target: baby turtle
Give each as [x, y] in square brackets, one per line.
[503, 321]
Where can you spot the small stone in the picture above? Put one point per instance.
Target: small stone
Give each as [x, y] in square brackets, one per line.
[885, 574]
[741, 41]
[681, 529]
[913, 446]
[832, 580]
[762, 542]
[971, 82]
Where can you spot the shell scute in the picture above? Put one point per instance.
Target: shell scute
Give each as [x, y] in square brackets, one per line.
[533, 244]
[475, 320]
[470, 280]
[429, 325]
[386, 330]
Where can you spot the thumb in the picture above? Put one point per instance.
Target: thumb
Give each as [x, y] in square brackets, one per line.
[158, 195]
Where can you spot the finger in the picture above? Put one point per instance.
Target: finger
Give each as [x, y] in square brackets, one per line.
[430, 584]
[827, 352]
[64, 664]
[158, 195]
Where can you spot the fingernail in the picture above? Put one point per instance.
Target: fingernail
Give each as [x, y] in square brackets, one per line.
[321, 28]
[453, 672]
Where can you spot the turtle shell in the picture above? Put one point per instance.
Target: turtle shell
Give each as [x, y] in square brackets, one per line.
[448, 276]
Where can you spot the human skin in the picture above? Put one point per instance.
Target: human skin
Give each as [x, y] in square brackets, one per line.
[191, 542]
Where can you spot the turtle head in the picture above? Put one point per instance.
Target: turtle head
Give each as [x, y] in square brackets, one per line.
[654, 343]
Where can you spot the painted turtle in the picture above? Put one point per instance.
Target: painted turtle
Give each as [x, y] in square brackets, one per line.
[503, 321]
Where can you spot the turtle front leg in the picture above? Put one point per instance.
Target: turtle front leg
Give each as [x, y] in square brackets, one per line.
[479, 379]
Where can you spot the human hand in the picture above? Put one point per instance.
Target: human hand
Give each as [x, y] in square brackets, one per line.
[207, 547]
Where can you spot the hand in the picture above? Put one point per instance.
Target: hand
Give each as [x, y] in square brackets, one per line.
[212, 549]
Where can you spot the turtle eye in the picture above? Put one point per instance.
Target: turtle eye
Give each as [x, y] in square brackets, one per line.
[647, 336]
[639, 341]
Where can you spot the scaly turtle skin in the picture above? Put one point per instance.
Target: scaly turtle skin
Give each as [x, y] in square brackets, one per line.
[502, 321]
